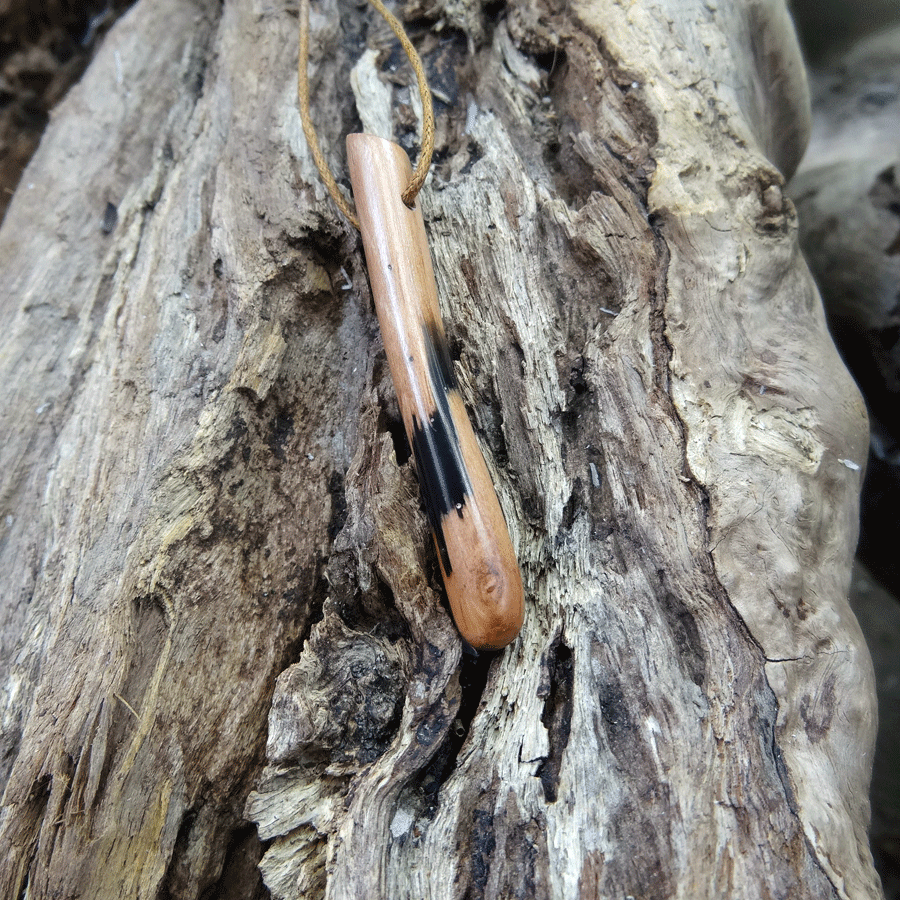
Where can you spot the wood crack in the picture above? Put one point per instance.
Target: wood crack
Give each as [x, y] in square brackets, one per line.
[556, 688]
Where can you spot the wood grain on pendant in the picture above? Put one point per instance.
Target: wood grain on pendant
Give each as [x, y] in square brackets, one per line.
[475, 552]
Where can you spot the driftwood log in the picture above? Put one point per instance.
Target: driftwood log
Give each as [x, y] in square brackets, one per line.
[223, 642]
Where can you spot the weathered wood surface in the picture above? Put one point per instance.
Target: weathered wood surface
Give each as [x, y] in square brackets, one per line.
[200, 491]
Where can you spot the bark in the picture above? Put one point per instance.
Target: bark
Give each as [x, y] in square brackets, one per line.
[201, 490]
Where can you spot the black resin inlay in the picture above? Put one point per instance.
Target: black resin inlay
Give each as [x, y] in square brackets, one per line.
[439, 360]
[443, 478]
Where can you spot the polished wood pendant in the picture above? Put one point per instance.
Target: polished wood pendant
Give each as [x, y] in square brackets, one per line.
[477, 560]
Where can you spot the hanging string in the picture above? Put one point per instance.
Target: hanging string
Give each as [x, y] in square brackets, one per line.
[424, 161]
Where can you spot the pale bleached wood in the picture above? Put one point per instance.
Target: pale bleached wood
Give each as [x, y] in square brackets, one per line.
[206, 526]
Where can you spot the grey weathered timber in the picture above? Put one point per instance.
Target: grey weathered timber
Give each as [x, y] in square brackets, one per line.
[220, 602]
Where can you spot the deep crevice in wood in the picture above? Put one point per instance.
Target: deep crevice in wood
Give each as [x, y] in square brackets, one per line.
[338, 504]
[480, 842]
[557, 684]
[426, 784]
[389, 420]
[312, 604]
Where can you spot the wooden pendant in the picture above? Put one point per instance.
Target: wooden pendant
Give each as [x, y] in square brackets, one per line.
[477, 560]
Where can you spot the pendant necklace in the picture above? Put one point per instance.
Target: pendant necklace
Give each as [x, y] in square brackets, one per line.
[474, 549]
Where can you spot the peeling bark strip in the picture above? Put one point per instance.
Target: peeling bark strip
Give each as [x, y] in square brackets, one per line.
[474, 550]
[200, 499]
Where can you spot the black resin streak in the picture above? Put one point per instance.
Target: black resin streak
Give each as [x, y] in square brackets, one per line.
[439, 363]
[443, 478]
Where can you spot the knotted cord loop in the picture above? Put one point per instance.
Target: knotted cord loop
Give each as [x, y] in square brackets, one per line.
[424, 161]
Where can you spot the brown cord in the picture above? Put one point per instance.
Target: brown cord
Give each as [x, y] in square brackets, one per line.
[424, 161]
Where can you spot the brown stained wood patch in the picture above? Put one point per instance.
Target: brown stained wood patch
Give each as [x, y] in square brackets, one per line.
[818, 711]
[590, 877]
